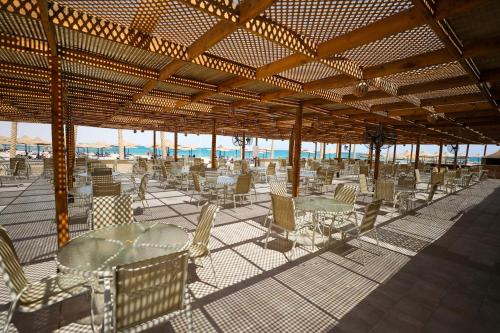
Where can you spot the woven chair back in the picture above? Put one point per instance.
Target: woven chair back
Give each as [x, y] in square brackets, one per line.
[370, 217]
[384, 190]
[10, 268]
[278, 188]
[103, 190]
[112, 210]
[243, 184]
[205, 224]
[345, 193]
[283, 211]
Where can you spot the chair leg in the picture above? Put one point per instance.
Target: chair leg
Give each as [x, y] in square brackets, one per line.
[10, 313]
[267, 235]
[213, 269]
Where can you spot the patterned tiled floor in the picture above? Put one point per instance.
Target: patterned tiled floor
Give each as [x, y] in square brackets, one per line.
[437, 269]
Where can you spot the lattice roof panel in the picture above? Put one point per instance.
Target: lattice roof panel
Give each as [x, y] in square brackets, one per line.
[479, 22]
[427, 74]
[387, 100]
[249, 49]
[449, 92]
[183, 24]
[405, 44]
[259, 87]
[309, 72]
[168, 87]
[108, 49]
[200, 73]
[24, 58]
[322, 20]
[102, 74]
[21, 26]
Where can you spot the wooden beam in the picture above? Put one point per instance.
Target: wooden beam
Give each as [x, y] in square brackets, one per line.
[374, 94]
[252, 8]
[392, 106]
[333, 82]
[377, 30]
[48, 28]
[447, 8]
[296, 151]
[282, 65]
[458, 99]
[442, 84]
[482, 48]
[408, 64]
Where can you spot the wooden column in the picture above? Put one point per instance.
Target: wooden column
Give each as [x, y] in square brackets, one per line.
[339, 150]
[163, 148]
[417, 152]
[377, 162]
[214, 145]
[290, 148]
[70, 147]
[349, 155]
[315, 149]
[59, 160]
[13, 139]
[370, 154]
[154, 145]
[121, 153]
[455, 158]
[440, 156]
[243, 146]
[175, 145]
[484, 153]
[394, 154]
[466, 154]
[411, 153]
[296, 151]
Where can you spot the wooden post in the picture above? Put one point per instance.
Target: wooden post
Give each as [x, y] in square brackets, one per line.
[243, 148]
[417, 152]
[484, 153]
[394, 154]
[60, 192]
[440, 155]
[13, 139]
[296, 151]
[377, 162]
[70, 147]
[121, 153]
[214, 145]
[290, 148]
[411, 153]
[466, 154]
[455, 158]
[175, 145]
[162, 145]
[370, 155]
[349, 155]
[154, 145]
[339, 150]
[315, 149]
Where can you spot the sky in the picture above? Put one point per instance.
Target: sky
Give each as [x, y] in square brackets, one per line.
[92, 134]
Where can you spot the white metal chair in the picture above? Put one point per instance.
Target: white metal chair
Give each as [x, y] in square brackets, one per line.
[363, 186]
[111, 210]
[242, 189]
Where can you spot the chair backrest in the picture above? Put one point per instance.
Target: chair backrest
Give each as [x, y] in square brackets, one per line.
[143, 187]
[112, 210]
[432, 192]
[283, 211]
[278, 188]
[417, 176]
[243, 184]
[271, 169]
[363, 169]
[102, 179]
[384, 189]
[436, 178]
[289, 175]
[205, 224]
[211, 176]
[345, 193]
[370, 217]
[103, 190]
[149, 289]
[363, 184]
[10, 268]
[101, 171]
[196, 181]
[17, 168]
[17, 164]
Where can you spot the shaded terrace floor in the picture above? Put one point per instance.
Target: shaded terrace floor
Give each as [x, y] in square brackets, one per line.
[437, 270]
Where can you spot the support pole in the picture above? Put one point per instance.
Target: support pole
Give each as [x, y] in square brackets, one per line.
[484, 153]
[394, 154]
[339, 150]
[272, 149]
[175, 145]
[13, 139]
[154, 145]
[290, 148]
[315, 149]
[121, 153]
[455, 158]
[214, 145]
[417, 152]
[411, 153]
[162, 145]
[296, 151]
[70, 147]
[377, 162]
[243, 148]
[370, 155]
[61, 195]
[440, 156]
[349, 155]
[466, 154]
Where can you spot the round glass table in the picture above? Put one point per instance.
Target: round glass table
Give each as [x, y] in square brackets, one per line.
[96, 252]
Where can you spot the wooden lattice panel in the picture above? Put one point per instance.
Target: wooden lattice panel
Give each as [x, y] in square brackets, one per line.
[157, 101]
[116, 11]
[259, 87]
[345, 90]
[470, 89]
[477, 23]
[427, 74]
[168, 87]
[23, 72]
[102, 74]
[109, 49]
[387, 100]
[322, 20]
[200, 73]
[101, 85]
[20, 26]
[23, 58]
[198, 107]
[309, 72]
[403, 45]
[183, 24]
[248, 49]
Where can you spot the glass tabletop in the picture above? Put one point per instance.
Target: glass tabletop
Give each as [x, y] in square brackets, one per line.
[226, 180]
[322, 204]
[100, 250]
[85, 190]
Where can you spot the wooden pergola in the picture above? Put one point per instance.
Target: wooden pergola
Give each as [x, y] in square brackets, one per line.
[322, 71]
